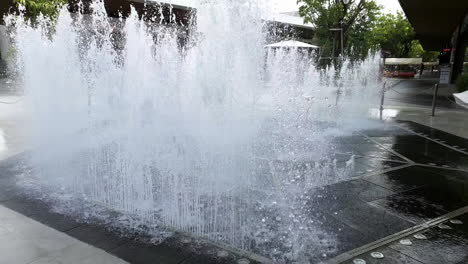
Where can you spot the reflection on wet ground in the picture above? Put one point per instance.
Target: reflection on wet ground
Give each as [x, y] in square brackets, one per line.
[405, 174]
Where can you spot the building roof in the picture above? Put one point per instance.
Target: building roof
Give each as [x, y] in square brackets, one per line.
[293, 20]
[292, 44]
[288, 18]
[435, 21]
[179, 4]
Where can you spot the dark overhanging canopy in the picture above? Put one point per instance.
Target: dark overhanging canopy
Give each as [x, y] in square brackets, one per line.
[435, 21]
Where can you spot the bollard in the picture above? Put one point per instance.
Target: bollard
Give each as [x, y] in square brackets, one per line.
[434, 100]
[382, 100]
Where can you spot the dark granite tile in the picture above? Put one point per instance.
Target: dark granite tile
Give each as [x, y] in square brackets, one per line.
[380, 164]
[9, 190]
[12, 166]
[391, 257]
[431, 154]
[97, 236]
[440, 247]
[142, 253]
[211, 260]
[353, 139]
[435, 134]
[459, 174]
[437, 188]
[448, 195]
[344, 149]
[58, 222]
[387, 130]
[382, 154]
[460, 230]
[371, 149]
[362, 168]
[410, 208]
[372, 220]
[429, 149]
[27, 206]
[342, 157]
[345, 238]
[367, 149]
[464, 261]
[401, 140]
[402, 180]
[345, 194]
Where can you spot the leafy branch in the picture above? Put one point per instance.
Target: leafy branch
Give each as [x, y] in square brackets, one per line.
[34, 8]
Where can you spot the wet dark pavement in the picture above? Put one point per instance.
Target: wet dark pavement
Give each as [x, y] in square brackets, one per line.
[432, 182]
[405, 175]
[441, 243]
[419, 92]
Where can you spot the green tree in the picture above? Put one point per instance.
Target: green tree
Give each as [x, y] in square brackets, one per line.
[393, 33]
[417, 51]
[45, 7]
[355, 17]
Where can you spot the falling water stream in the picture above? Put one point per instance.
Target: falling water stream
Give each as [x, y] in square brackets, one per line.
[222, 138]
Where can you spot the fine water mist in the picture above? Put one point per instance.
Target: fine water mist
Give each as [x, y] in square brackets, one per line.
[220, 138]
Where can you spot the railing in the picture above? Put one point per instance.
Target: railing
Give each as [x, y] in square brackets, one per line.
[385, 89]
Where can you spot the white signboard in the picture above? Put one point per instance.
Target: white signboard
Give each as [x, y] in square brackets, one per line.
[445, 73]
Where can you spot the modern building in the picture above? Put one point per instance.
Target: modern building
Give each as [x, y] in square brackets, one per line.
[115, 8]
[287, 26]
[158, 13]
[179, 14]
[441, 26]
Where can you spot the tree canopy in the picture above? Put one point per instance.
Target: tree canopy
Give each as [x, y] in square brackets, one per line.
[354, 17]
[366, 29]
[45, 7]
[395, 34]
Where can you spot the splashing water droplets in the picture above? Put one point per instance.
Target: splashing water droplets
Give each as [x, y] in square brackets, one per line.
[214, 139]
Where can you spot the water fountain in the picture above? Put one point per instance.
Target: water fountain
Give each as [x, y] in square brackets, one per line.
[222, 139]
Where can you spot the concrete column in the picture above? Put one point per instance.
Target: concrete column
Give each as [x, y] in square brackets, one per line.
[460, 49]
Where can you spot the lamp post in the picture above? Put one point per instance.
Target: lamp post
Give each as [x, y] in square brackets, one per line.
[342, 33]
[341, 29]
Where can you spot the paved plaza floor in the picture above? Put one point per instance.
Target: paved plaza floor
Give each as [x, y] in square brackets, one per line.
[406, 175]
[407, 199]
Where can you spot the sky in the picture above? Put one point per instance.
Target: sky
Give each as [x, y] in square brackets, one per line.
[390, 6]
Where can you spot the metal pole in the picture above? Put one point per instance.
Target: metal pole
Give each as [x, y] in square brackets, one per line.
[382, 100]
[434, 100]
[342, 40]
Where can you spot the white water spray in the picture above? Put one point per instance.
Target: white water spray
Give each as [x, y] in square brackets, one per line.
[201, 139]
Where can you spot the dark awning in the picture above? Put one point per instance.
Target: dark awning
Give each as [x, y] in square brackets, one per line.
[435, 21]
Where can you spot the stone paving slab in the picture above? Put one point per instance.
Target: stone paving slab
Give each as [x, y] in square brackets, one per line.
[23, 240]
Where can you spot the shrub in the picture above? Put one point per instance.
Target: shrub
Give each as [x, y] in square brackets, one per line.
[462, 83]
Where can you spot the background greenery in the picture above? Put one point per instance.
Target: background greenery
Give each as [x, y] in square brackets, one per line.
[366, 29]
[36, 7]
